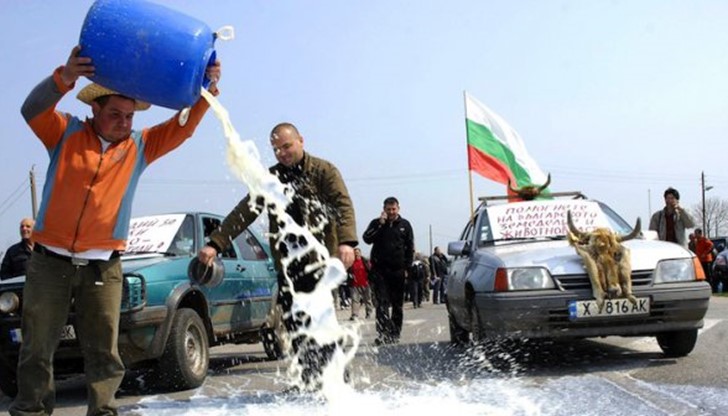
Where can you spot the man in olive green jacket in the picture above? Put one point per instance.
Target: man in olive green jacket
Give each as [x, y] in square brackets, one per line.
[320, 203]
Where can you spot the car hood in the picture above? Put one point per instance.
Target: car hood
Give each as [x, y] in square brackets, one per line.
[13, 281]
[131, 264]
[560, 258]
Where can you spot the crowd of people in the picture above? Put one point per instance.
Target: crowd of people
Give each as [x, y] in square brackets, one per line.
[77, 262]
[424, 283]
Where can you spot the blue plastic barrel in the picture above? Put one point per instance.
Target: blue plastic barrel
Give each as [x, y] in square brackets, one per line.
[147, 51]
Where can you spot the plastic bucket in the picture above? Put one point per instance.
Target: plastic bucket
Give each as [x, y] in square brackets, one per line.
[147, 51]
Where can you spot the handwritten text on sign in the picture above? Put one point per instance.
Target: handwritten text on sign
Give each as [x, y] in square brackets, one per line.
[153, 233]
[543, 218]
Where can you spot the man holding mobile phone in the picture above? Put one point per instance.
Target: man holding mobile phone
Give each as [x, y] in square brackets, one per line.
[393, 250]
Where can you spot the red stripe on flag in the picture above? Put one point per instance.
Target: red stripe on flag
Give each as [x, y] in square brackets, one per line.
[489, 166]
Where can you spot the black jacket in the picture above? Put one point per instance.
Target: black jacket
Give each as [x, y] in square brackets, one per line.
[439, 265]
[15, 261]
[393, 244]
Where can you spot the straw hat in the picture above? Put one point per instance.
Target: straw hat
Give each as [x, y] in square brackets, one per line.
[93, 91]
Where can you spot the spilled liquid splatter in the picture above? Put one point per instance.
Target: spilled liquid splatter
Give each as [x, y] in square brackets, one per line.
[244, 160]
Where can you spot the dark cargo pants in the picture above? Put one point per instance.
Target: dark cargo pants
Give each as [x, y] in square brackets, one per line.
[51, 284]
[390, 289]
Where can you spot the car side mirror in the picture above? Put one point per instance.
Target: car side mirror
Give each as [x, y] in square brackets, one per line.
[458, 248]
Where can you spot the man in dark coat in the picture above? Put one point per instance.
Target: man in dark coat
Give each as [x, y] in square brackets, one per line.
[17, 256]
[393, 249]
[439, 264]
[320, 202]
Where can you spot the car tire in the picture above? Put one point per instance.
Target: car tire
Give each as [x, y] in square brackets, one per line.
[677, 343]
[186, 357]
[8, 379]
[476, 327]
[458, 334]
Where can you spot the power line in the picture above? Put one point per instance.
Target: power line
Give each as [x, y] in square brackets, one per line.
[563, 172]
[23, 184]
[13, 202]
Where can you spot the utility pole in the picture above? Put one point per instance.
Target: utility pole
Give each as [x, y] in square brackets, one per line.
[430, 252]
[33, 199]
[703, 189]
[649, 203]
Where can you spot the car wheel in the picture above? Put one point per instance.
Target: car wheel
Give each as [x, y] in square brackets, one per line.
[8, 380]
[476, 328]
[458, 334]
[677, 343]
[187, 354]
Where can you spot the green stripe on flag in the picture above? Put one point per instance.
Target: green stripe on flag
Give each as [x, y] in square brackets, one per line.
[482, 139]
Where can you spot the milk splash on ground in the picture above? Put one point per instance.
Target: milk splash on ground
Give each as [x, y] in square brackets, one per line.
[592, 393]
[244, 160]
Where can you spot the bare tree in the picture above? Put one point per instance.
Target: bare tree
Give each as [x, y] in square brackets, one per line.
[716, 216]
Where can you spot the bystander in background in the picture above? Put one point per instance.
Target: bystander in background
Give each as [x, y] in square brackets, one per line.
[17, 256]
[360, 289]
[439, 264]
[393, 250]
[671, 221]
[704, 251]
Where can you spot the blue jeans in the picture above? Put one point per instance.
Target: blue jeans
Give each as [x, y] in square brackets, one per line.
[439, 290]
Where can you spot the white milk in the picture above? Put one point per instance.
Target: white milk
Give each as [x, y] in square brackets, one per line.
[244, 160]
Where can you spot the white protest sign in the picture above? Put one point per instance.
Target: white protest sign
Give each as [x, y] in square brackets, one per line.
[533, 219]
[153, 233]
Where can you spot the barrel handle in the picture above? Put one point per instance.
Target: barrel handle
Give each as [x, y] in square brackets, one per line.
[225, 33]
[184, 115]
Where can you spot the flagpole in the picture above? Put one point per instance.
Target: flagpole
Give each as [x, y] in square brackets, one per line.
[470, 172]
[470, 180]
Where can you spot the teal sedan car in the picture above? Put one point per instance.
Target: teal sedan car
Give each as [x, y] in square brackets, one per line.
[169, 317]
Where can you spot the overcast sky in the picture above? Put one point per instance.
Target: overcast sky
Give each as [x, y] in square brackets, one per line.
[617, 99]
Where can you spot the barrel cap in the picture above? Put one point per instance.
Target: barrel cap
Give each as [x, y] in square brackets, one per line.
[93, 91]
[208, 276]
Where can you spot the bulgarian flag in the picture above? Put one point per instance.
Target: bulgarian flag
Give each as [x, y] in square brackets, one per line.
[495, 150]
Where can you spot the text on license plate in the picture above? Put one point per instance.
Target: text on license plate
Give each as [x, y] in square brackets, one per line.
[67, 333]
[584, 309]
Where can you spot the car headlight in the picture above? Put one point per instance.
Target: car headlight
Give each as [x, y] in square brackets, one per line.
[675, 270]
[134, 293]
[526, 278]
[9, 302]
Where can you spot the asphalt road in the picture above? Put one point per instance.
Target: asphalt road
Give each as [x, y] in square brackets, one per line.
[425, 355]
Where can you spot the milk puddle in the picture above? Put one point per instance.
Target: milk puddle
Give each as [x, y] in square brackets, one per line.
[447, 392]
[584, 396]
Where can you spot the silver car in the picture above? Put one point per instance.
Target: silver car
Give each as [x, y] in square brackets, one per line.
[515, 275]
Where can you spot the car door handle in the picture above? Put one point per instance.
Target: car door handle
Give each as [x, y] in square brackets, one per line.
[240, 268]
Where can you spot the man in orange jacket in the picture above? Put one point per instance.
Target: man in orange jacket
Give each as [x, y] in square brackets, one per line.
[704, 251]
[81, 228]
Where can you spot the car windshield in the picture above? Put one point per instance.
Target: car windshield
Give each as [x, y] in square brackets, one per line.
[166, 234]
[544, 219]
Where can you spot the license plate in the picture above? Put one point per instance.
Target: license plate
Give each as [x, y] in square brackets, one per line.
[67, 333]
[585, 309]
